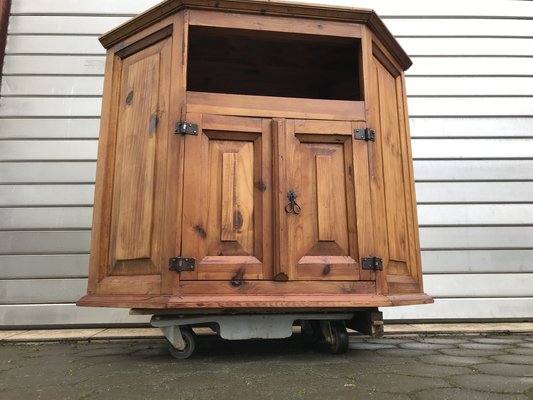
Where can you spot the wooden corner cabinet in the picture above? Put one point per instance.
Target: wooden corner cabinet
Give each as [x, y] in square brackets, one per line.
[254, 156]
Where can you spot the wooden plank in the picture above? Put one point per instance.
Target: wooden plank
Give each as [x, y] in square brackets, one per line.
[50, 107]
[54, 65]
[465, 310]
[471, 170]
[232, 124]
[363, 203]
[195, 180]
[476, 238]
[281, 268]
[52, 86]
[23, 291]
[49, 128]
[47, 315]
[279, 288]
[469, 86]
[474, 192]
[467, 46]
[317, 302]
[481, 148]
[44, 242]
[60, 24]
[215, 268]
[470, 66]
[459, 27]
[40, 266]
[53, 44]
[229, 200]
[471, 127]
[477, 261]
[47, 172]
[475, 214]
[479, 285]
[324, 190]
[264, 106]
[130, 284]
[171, 233]
[46, 218]
[274, 24]
[46, 195]
[338, 268]
[56, 150]
[466, 106]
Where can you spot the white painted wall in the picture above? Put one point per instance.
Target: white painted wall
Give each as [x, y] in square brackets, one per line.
[471, 106]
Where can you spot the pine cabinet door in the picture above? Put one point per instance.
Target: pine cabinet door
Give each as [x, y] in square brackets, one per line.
[227, 200]
[322, 188]
[137, 149]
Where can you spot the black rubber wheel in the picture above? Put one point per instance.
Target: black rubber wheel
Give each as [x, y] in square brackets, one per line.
[339, 334]
[190, 344]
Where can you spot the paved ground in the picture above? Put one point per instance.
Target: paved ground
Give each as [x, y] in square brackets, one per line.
[473, 367]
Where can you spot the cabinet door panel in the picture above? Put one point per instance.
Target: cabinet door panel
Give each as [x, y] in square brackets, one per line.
[139, 181]
[227, 175]
[322, 238]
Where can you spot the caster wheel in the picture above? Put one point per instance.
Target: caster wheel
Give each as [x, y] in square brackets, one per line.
[339, 338]
[190, 344]
[311, 332]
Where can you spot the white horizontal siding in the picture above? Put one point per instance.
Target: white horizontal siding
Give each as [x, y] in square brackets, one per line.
[31, 266]
[470, 66]
[387, 8]
[470, 100]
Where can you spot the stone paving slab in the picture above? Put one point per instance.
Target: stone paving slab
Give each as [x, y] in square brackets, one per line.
[400, 368]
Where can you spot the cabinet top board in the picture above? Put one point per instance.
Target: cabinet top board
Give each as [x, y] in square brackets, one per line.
[260, 7]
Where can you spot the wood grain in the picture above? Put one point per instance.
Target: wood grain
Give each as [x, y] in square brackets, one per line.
[274, 24]
[282, 107]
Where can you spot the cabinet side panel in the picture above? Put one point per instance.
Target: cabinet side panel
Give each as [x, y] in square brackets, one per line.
[100, 225]
[392, 186]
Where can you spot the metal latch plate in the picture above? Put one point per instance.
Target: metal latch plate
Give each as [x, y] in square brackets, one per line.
[365, 134]
[186, 128]
[180, 264]
[372, 263]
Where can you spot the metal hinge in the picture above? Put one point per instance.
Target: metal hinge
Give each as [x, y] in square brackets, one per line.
[180, 264]
[372, 263]
[186, 128]
[365, 134]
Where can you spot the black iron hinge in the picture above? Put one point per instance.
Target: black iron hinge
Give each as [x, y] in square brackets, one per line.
[365, 134]
[180, 264]
[372, 263]
[186, 128]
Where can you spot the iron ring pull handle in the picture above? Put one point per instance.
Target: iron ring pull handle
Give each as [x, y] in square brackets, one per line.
[292, 207]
